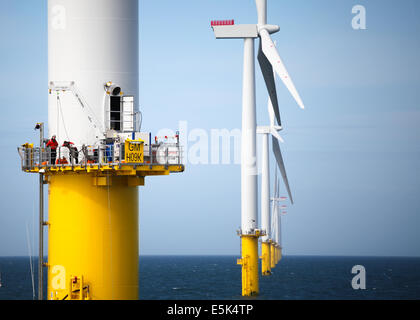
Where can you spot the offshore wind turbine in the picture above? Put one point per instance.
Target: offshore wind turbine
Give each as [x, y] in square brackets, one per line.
[269, 59]
[267, 239]
[265, 202]
[272, 129]
[274, 224]
[276, 214]
[280, 213]
[93, 204]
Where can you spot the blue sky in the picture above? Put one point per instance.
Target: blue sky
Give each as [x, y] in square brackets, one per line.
[352, 156]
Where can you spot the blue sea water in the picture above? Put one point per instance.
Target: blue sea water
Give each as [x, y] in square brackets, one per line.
[219, 278]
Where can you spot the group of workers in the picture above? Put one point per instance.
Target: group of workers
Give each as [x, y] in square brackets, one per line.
[52, 146]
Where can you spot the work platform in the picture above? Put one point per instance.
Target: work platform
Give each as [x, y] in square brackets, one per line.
[158, 159]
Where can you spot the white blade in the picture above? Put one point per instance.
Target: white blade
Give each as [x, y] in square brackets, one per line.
[273, 56]
[262, 11]
[271, 114]
[267, 71]
[280, 163]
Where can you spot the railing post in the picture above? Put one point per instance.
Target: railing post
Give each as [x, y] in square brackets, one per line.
[41, 218]
[41, 238]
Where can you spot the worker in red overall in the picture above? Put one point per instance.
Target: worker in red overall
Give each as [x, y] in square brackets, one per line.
[53, 144]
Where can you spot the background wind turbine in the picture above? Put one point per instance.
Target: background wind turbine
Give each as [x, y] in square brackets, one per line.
[265, 131]
[269, 59]
[277, 246]
[266, 240]
[274, 224]
[273, 220]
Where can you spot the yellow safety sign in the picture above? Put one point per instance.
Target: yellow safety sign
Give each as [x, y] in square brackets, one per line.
[134, 151]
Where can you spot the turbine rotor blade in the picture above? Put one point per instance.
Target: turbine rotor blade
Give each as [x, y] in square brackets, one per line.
[268, 74]
[271, 113]
[280, 163]
[273, 57]
[262, 11]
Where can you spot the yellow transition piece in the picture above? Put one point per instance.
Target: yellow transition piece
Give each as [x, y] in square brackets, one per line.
[93, 237]
[280, 253]
[273, 253]
[249, 262]
[265, 258]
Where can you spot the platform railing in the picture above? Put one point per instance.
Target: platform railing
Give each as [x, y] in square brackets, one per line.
[156, 154]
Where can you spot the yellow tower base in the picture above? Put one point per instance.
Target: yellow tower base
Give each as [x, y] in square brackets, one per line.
[265, 258]
[93, 226]
[93, 234]
[273, 254]
[249, 262]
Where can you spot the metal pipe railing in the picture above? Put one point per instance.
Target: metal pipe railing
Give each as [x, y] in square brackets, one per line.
[156, 154]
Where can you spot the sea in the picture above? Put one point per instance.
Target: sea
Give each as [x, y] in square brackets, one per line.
[219, 278]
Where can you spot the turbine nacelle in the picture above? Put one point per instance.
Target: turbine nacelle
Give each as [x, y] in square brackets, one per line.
[271, 28]
[268, 129]
[273, 130]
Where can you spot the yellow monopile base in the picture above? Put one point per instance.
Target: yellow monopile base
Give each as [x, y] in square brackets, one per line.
[93, 248]
[249, 262]
[273, 255]
[280, 253]
[265, 258]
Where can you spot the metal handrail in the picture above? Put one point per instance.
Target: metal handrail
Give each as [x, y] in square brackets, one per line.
[156, 154]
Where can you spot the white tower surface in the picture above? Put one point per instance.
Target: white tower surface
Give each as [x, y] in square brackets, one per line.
[265, 190]
[249, 182]
[90, 43]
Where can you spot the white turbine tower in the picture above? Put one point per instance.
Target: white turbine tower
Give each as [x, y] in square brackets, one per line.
[265, 201]
[269, 59]
[273, 247]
